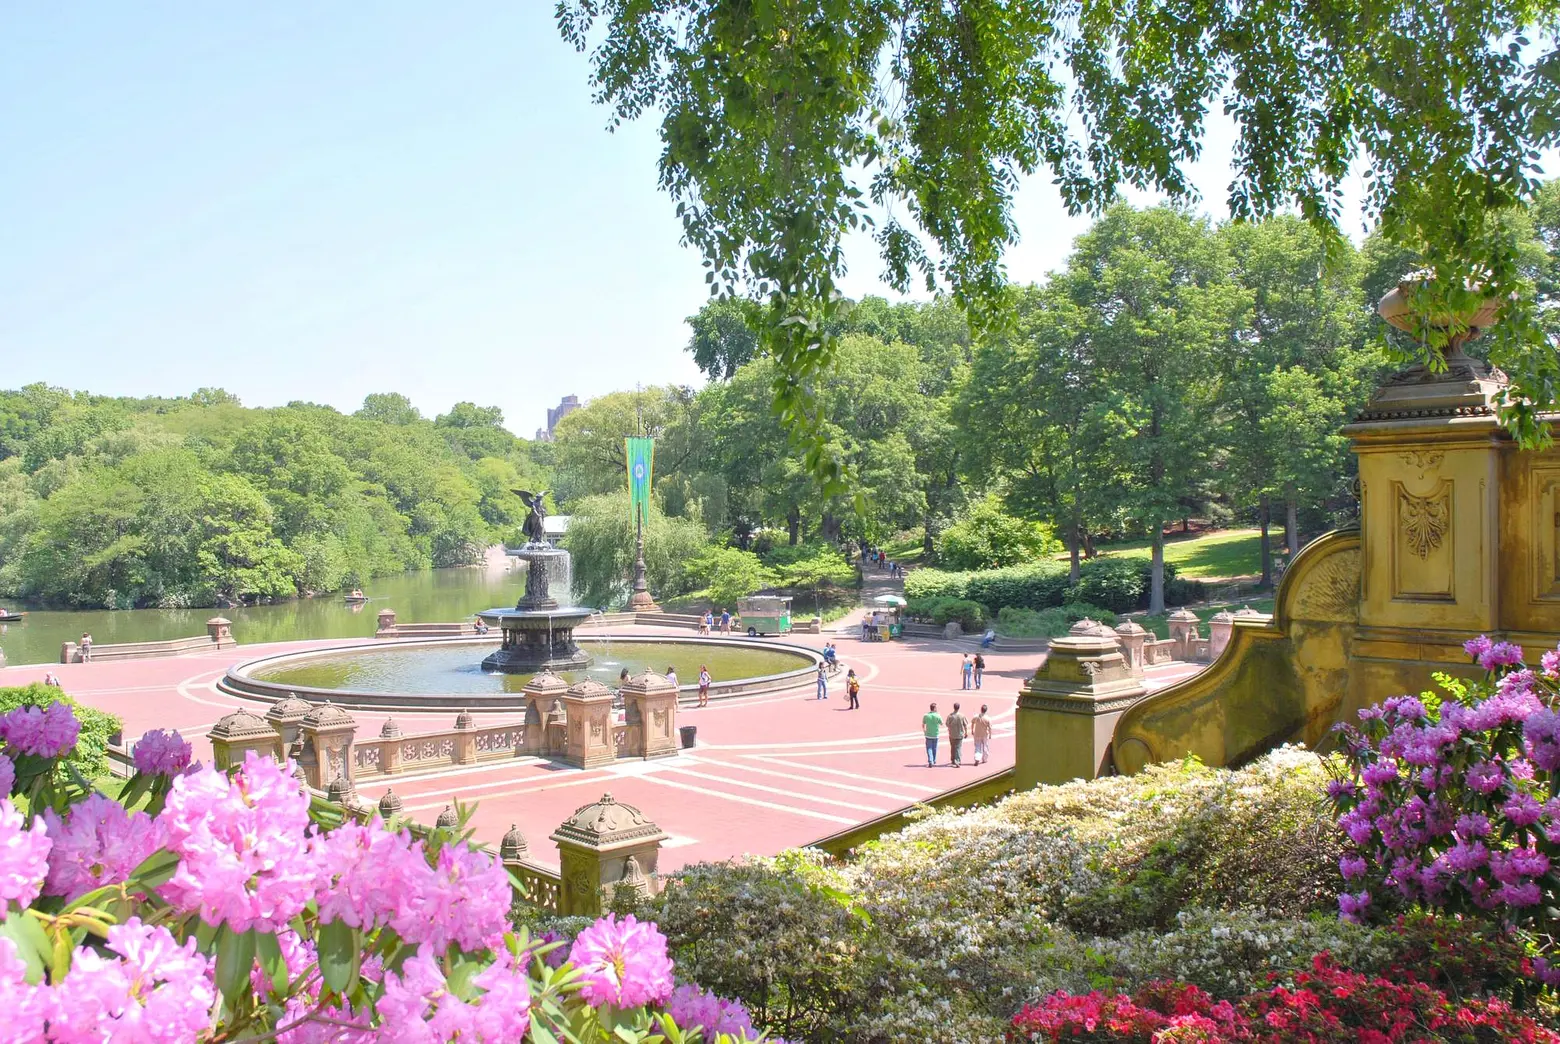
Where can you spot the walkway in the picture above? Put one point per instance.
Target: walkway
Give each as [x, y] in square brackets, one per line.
[769, 772]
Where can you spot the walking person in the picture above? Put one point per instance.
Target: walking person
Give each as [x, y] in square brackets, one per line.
[980, 669]
[86, 647]
[704, 686]
[708, 623]
[725, 622]
[853, 689]
[931, 724]
[980, 731]
[966, 669]
[958, 728]
[823, 683]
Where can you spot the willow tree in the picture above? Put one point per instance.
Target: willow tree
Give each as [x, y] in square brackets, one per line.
[784, 121]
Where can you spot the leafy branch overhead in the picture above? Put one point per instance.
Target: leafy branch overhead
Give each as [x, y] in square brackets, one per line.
[786, 124]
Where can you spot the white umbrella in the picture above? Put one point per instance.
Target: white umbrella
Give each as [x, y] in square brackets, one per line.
[889, 600]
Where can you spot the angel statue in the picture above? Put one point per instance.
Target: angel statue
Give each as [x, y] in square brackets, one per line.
[533, 527]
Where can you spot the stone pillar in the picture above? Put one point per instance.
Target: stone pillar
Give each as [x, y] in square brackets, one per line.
[328, 732]
[1068, 710]
[588, 711]
[286, 715]
[602, 845]
[69, 652]
[465, 738]
[220, 630]
[386, 625]
[389, 753]
[542, 693]
[234, 735]
[1131, 637]
[1183, 632]
[1219, 628]
[654, 699]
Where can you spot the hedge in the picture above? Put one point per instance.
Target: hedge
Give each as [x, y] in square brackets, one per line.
[91, 754]
[1118, 584]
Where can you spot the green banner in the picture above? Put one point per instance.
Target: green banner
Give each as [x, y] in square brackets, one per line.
[641, 459]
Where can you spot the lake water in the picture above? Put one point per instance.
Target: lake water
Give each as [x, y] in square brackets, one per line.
[430, 596]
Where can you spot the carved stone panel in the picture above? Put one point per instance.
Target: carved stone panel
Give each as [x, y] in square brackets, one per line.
[1545, 486]
[1330, 591]
[1422, 550]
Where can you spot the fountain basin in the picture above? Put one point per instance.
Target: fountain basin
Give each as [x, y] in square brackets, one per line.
[536, 639]
[442, 675]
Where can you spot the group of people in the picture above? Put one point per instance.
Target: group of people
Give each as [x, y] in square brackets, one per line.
[958, 726]
[852, 683]
[878, 558]
[707, 625]
[671, 676]
[973, 670]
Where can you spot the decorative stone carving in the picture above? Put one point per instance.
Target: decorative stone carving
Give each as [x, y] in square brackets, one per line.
[328, 731]
[587, 705]
[447, 820]
[286, 715]
[235, 734]
[512, 849]
[1424, 460]
[1423, 520]
[1067, 711]
[390, 804]
[651, 703]
[1330, 590]
[602, 845]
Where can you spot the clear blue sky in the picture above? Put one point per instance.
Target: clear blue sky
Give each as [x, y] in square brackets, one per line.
[316, 202]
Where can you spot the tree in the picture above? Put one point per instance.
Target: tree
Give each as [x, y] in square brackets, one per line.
[729, 573]
[987, 537]
[780, 121]
[826, 567]
[589, 442]
[391, 408]
[1155, 306]
[723, 336]
[601, 541]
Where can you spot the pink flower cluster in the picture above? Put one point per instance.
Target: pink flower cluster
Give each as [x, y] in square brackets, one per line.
[155, 990]
[369, 877]
[95, 844]
[693, 1008]
[243, 846]
[622, 963]
[7, 776]
[1456, 810]
[418, 1008]
[161, 752]
[46, 732]
[24, 858]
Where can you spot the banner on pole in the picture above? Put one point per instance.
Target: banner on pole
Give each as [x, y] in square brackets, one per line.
[641, 460]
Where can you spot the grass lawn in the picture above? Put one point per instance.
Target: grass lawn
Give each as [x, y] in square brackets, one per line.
[905, 552]
[1220, 555]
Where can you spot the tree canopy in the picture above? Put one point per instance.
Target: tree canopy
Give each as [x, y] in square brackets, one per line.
[786, 125]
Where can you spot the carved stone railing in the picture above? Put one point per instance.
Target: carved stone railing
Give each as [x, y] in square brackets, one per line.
[219, 635]
[539, 885]
[393, 752]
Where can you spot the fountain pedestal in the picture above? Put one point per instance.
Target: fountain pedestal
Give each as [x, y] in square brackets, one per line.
[538, 632]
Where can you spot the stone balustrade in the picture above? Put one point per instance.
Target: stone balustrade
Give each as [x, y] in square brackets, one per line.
[393, 752]
[219, 635]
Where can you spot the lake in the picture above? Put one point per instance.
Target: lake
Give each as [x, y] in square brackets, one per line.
[428, 596]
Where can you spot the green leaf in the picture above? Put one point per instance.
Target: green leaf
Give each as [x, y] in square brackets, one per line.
[156, 869]
[235, 958]
[340, 952]
[269, 952]
[31, 943]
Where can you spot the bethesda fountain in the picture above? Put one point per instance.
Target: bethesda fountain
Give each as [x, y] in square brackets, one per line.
[538, 633]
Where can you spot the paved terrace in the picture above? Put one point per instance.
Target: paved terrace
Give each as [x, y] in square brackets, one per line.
[769, 772]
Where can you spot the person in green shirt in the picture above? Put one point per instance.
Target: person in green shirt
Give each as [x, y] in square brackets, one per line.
[932, 724]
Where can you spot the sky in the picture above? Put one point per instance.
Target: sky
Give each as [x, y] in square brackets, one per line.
[318, 202]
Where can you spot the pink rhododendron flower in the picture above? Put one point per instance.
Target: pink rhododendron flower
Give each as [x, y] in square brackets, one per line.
[1477, 647]
[244, 855]
[417, 1008]
[1549, 663]
[24, 858]
[27, 1008]
[1485, 777]
[369, 876]
[47, 732]
[7, 775]
[1501, 654]
[622, 963]
[693, 1008]
[162, 752]
[466, 899]
[97, 843]
[154, 991]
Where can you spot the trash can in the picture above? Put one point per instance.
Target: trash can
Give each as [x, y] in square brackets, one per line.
[688, 732]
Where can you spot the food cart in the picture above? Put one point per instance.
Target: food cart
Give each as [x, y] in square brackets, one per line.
[885, 621]
[765, 614]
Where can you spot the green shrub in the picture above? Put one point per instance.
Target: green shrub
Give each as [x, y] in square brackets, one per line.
[987, 537]
[1048, 623]
[969, 615]
[1117, 584]
[91, 754]
[934, 583]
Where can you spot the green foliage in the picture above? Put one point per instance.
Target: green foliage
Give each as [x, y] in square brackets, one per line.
[729, 573]
[601, 540]
[198, 501]
[938, 111]
[987, 537]
[90, 757]
[824, 567]
[1049, 623]
[1116, 583]
[971, 616]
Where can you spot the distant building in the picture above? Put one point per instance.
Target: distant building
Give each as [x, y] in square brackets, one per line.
[567, 405]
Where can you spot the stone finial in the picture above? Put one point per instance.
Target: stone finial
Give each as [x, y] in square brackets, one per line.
[1246, 611]
[512, 848]
[339, 791]
[290, 708]
[545, 681]
[590, 689]
[1182, 615]
[390, 804]
[1087, 626]
[447, 820]
[606, 824]
[464, 720]
[242, 725]
[328, 716]
[389, 730]
[1129, 627]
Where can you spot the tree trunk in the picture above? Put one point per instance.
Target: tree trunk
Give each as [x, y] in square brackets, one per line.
[1156, 574]
[1186, 526]
[829, 529]
[1074, 542]
[793, 523]
[1267, 545]
[1292, 527]
[1088, 544]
